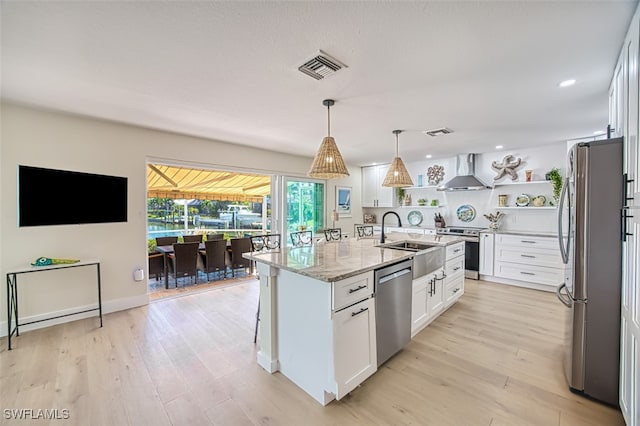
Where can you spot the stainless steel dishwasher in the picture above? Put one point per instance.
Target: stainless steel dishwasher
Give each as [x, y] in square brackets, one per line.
[393, 308]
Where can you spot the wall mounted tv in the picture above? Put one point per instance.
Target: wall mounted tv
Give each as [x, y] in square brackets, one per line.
[63, 197]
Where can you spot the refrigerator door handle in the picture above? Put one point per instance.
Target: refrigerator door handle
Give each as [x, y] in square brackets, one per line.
[566, 299]
[564, 251]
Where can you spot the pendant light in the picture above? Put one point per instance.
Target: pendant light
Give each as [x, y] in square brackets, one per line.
[328, 163]
[397, 176]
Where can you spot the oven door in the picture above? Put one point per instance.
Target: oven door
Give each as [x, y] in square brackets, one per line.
[472, 258]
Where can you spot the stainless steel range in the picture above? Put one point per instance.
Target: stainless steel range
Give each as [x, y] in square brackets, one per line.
[471, 237]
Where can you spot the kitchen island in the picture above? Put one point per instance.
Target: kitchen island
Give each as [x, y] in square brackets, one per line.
[317, 311]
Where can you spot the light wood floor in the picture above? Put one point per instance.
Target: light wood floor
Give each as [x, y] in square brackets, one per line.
[492, 359]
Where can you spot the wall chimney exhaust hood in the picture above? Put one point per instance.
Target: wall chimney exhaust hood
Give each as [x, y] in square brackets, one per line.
[464, 180]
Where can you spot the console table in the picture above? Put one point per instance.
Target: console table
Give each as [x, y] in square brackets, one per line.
[12, 294]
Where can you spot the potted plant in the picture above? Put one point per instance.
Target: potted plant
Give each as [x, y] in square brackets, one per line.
[556, 180]
[400, 194]
[422, 201]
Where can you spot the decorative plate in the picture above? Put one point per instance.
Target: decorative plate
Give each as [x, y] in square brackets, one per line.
[414, 217]
[466, 213]
[523, 200]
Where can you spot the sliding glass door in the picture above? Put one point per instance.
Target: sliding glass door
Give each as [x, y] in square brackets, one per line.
[303, 205]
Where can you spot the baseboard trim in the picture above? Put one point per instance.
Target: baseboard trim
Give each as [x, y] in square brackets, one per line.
[107, 307]
[533, 286]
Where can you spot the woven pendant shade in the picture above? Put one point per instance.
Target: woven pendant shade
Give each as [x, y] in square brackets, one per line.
[328, 163]
[397, 176]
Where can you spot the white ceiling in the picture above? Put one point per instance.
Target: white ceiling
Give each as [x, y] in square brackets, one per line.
[228, 70]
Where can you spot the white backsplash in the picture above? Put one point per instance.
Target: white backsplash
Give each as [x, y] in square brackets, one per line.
[539, 159]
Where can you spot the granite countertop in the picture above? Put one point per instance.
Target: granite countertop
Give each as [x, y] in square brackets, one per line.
[335, 261]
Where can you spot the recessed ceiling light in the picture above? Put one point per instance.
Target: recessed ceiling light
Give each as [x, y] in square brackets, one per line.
[567, 83]
[499, 146]
[428, 156]
[599, 132]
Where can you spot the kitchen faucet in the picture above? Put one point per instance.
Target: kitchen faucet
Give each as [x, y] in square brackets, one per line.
[382, 230]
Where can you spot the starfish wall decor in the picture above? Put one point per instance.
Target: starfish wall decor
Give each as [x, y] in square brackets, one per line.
[507, 167]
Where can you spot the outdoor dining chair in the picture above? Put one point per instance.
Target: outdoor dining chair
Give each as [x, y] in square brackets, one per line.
[185, 261]
[192, 238]
[214, 257]
[166, 241]
[238, 247]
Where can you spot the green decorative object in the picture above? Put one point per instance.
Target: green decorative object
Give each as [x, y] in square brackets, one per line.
[556, 180]
[46, 261]
[400, 194]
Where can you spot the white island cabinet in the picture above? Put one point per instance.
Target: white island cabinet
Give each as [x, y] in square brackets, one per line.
[318, 314]
[325, 351]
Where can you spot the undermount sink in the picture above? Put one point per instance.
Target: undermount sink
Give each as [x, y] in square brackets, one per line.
[408, 245]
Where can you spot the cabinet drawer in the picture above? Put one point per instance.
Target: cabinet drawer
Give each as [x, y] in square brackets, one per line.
[453, 290]
[527, 242]
[351, 290]
[455, 250]
[532, 256]
[454, 266]
[530, 273]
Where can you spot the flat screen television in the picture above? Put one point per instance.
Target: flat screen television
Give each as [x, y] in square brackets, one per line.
[63, 197]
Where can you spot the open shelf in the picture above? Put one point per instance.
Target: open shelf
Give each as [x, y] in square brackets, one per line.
[533, 182]
[421, 207]
[526, 208]
[422, 187]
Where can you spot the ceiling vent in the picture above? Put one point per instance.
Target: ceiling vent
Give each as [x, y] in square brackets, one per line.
[321, 66]
[438, 132]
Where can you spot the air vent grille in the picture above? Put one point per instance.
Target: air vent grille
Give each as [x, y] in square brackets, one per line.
[321, 66]
[438, 132]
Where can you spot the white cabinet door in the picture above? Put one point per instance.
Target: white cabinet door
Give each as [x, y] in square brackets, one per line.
[385, 193]
[630, 66]
[616, 105]
[373, 193]
[435, 293]
[354, 331]
[369, 183]
[419, 314]
[486, 253]
[630, 306]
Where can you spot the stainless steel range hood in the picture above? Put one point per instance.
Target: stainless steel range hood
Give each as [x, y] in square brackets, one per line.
[464, 180]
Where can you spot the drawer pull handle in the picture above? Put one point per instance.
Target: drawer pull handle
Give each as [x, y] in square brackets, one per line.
[527, 273]
[457, 268]
[528, 241]
[456, 290]
[457, 250]
[360, 287]
[353, 314]
[528, 255]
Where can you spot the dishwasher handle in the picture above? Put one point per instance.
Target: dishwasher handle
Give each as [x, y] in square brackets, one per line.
[394, 275]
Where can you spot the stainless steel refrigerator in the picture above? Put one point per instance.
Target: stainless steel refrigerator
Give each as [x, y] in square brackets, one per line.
[589, 230]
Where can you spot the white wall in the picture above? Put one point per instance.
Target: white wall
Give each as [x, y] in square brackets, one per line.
[539, 159]
[54, 140]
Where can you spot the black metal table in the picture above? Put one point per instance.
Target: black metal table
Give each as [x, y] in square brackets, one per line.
[12, 294]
